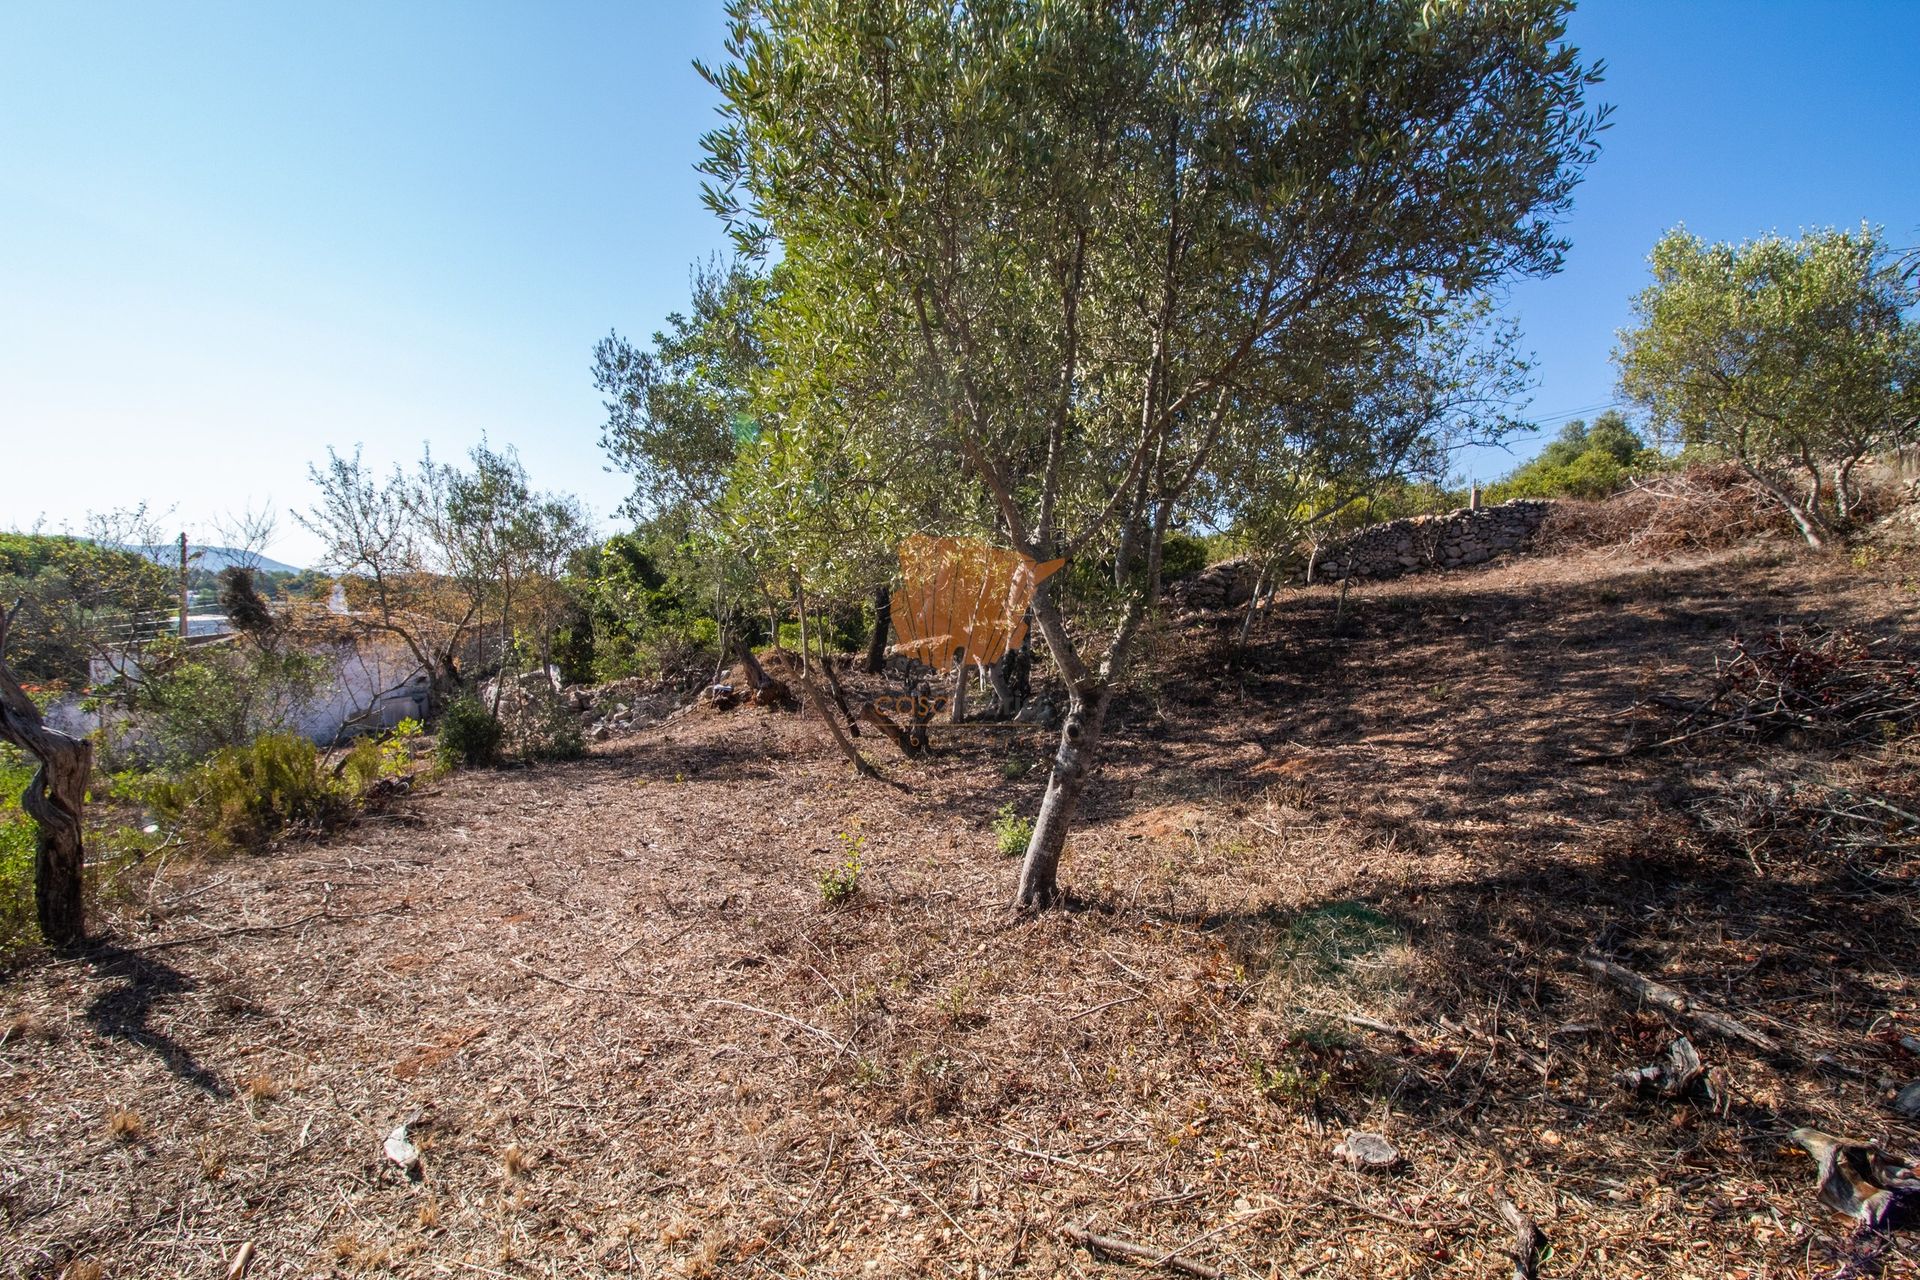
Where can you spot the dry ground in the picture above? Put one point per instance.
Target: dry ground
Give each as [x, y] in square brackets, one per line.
[637, 1043]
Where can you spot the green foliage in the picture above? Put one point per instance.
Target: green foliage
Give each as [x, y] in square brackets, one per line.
[542, 727]
[469, 735]
[372, 759]
[1182, 554]
[1295, 1083]
[72, 590]
[638, 609]
[839, 883]
[1011, 832]
[1794, 358]
[17, 836]
[243, 796]
[1583, 461]
[192, 702]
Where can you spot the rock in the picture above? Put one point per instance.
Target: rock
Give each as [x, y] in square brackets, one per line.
[400, 1149]
[1907, 1101]
[1369, 1151]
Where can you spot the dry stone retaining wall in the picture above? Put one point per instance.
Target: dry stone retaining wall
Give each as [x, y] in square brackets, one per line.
[1472, 535]
[1467, 536]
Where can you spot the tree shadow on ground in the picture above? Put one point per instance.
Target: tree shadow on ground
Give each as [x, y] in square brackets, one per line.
[122, 1011]
[1452, 700]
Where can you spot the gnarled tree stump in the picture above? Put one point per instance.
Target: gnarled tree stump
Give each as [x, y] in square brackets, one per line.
[53, 800]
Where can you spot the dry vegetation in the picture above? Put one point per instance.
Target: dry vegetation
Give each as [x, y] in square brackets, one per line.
[1343, 883]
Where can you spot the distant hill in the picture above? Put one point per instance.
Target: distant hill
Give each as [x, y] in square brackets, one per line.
[213, 559]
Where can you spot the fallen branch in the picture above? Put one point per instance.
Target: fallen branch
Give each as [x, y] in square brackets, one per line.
[1138, 1252]
[1368, 1024]
[1527, 1239]
[1678, 1003]
[840, 738]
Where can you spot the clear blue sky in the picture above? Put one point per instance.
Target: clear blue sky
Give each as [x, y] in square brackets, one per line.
[233, 235]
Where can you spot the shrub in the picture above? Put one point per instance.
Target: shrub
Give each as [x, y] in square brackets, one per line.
[839, 883]
[1011, 832]
[189, 704]
[469, 735]
[1182, 554]
[17, 833]
[542, 727]
[373, 759]
[243, 796]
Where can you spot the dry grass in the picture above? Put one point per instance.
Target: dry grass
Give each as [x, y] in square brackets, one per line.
[1340, 882]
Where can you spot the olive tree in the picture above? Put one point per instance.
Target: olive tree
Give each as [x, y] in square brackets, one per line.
[1079, 246]
[1796, 359]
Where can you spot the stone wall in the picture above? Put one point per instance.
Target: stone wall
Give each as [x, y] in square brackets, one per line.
[1224, 585]
[1463, 537]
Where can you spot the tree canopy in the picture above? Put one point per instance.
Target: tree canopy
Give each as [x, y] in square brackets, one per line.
[1794, 358]
[1077, 260]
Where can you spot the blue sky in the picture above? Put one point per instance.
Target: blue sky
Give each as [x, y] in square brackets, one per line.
[231, 235]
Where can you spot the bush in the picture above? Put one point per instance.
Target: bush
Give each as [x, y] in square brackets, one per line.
[1011, 832]
[374, 759]
[1583, 462]
[17, 834]
[838, 884]
[469, 735]
[189, 704]
[1180, 555]
[244, 796]
[542, 727]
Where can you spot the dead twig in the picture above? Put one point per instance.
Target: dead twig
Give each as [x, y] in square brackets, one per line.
[1527, 1240]
[807, 1027]
[1138, 1252]
[1678, 1003]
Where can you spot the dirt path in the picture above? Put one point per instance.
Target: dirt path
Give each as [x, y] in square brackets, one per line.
[635, 1040]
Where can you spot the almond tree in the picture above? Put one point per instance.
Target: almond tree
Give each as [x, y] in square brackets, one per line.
[1078, 245]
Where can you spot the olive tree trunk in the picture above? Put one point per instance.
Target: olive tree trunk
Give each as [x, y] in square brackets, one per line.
[882, 620]
[1072, 763]
[54, 800]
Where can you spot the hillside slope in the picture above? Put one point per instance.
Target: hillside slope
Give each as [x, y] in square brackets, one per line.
[1344, 883]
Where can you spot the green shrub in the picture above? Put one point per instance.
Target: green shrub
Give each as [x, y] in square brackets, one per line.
[1583, 462]
[190, 704]
[542, 727]
[1011, 832]
[1182, 554]
[17, 834]
[839, 883]
[469, 735]
[243, 796]
[373, 759]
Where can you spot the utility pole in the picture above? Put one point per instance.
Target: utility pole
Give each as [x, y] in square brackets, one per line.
[183, 586]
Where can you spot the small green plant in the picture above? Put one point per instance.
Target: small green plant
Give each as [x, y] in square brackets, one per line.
[244, 795]
[469, 735]
[1011, 832]
[839, 883]
[1291, 1082]
[1015, 767]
